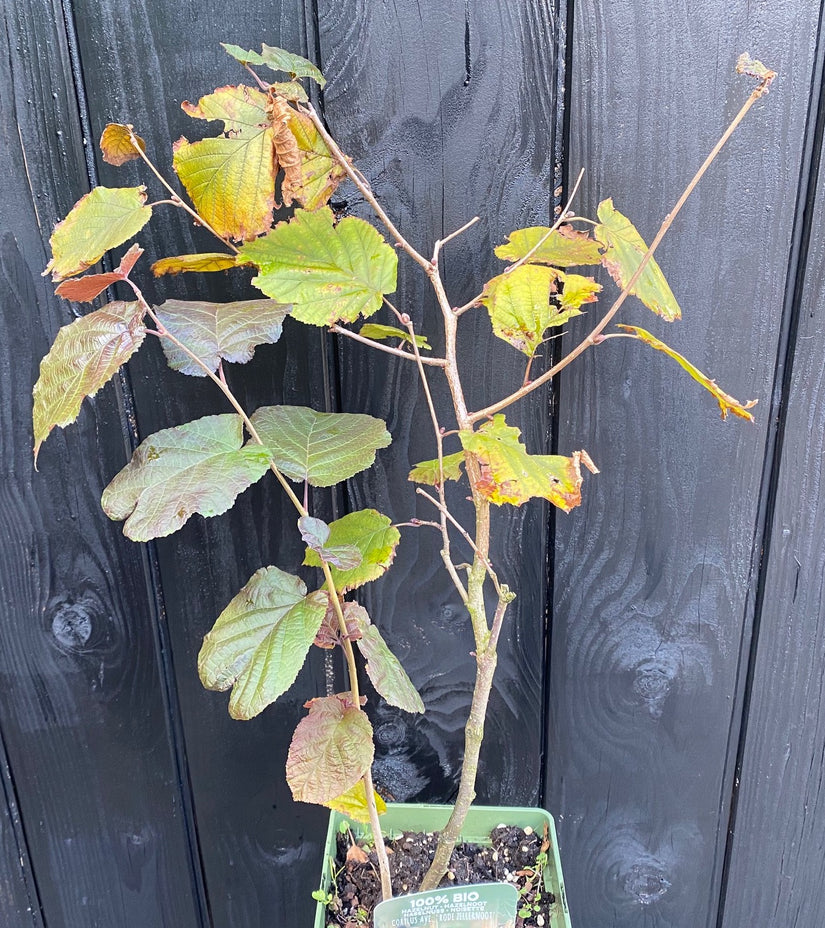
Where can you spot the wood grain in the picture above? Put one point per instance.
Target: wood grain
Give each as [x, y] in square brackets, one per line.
[450, 111]
[778, 829]
[19, 898]
[82, 716]
[655, 573]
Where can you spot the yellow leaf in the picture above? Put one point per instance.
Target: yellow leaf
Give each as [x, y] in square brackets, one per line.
[726, 402]
[200, 262]
[231, 178]
[353, 803]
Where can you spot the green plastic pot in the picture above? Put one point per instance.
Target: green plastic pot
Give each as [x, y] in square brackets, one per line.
[481, 820]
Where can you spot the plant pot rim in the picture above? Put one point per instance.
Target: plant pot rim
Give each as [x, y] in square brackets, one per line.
[481, 820]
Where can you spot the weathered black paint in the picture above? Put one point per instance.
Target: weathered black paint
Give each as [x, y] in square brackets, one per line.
[678, 657]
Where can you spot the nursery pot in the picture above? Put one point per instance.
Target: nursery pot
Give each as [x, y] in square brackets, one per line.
[481, 820]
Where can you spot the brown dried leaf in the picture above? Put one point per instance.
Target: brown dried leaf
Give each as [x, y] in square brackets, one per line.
[287, 155]
[117, 145]
[357, 856]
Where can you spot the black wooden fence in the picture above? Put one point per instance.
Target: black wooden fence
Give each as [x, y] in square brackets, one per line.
[660, 687]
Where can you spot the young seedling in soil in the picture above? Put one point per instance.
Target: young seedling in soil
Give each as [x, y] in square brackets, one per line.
[326, 270]
[514, 855]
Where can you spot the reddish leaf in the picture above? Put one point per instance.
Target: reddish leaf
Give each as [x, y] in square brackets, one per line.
[85, 289]
[331, 750]
[329, 635]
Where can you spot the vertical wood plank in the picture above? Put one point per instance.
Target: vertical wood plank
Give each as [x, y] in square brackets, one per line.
[450, 111]
[654, 575]
[260, 851]
[19, 899]
[777, 854]
[82, 718]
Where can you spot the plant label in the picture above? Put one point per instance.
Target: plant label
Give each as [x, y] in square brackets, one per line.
[484, 905]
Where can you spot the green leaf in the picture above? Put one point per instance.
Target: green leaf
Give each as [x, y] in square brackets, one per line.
[85, 355]
[290, 90]
[316, 173]
[384, 669]
[117, 146]
[231, 179]
[321, 447]
[382, 332]
[331, 750]
[85, 289]
[330, 273]
[511, 475]
[103, 219]
[214, 331]
[625, 249]
[374, 536]
[200, 262]
[260, 641]
[197, 467]
[427, 471]
[523, 304]
[315, 533]
[276, 59]
[353, 803]
[565, 247]
[726, 402]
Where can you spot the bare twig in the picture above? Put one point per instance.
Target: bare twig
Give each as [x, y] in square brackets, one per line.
[560, 221]
[364, 188]
[439, 441]
[441, 507]
[443, 241]
[398, 352]
[594, 337]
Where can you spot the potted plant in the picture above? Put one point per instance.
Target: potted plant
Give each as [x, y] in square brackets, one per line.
[334, 271]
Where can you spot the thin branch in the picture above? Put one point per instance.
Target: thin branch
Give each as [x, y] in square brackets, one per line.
[396, 312]
[364, 188]
[439, 440]
[562, 218]
[443, 241]
[604, 338]
[498, 619]
[175, 196]
[352, 672]
[594, 337]
[398, 352]
[466, 536]
[261, 83]
[163, 332]
[460, 310]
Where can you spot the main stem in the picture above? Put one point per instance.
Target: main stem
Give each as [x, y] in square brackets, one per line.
[485, 640]
[487, 635]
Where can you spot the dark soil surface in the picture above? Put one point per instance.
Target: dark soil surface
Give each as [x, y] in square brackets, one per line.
[514, 856]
